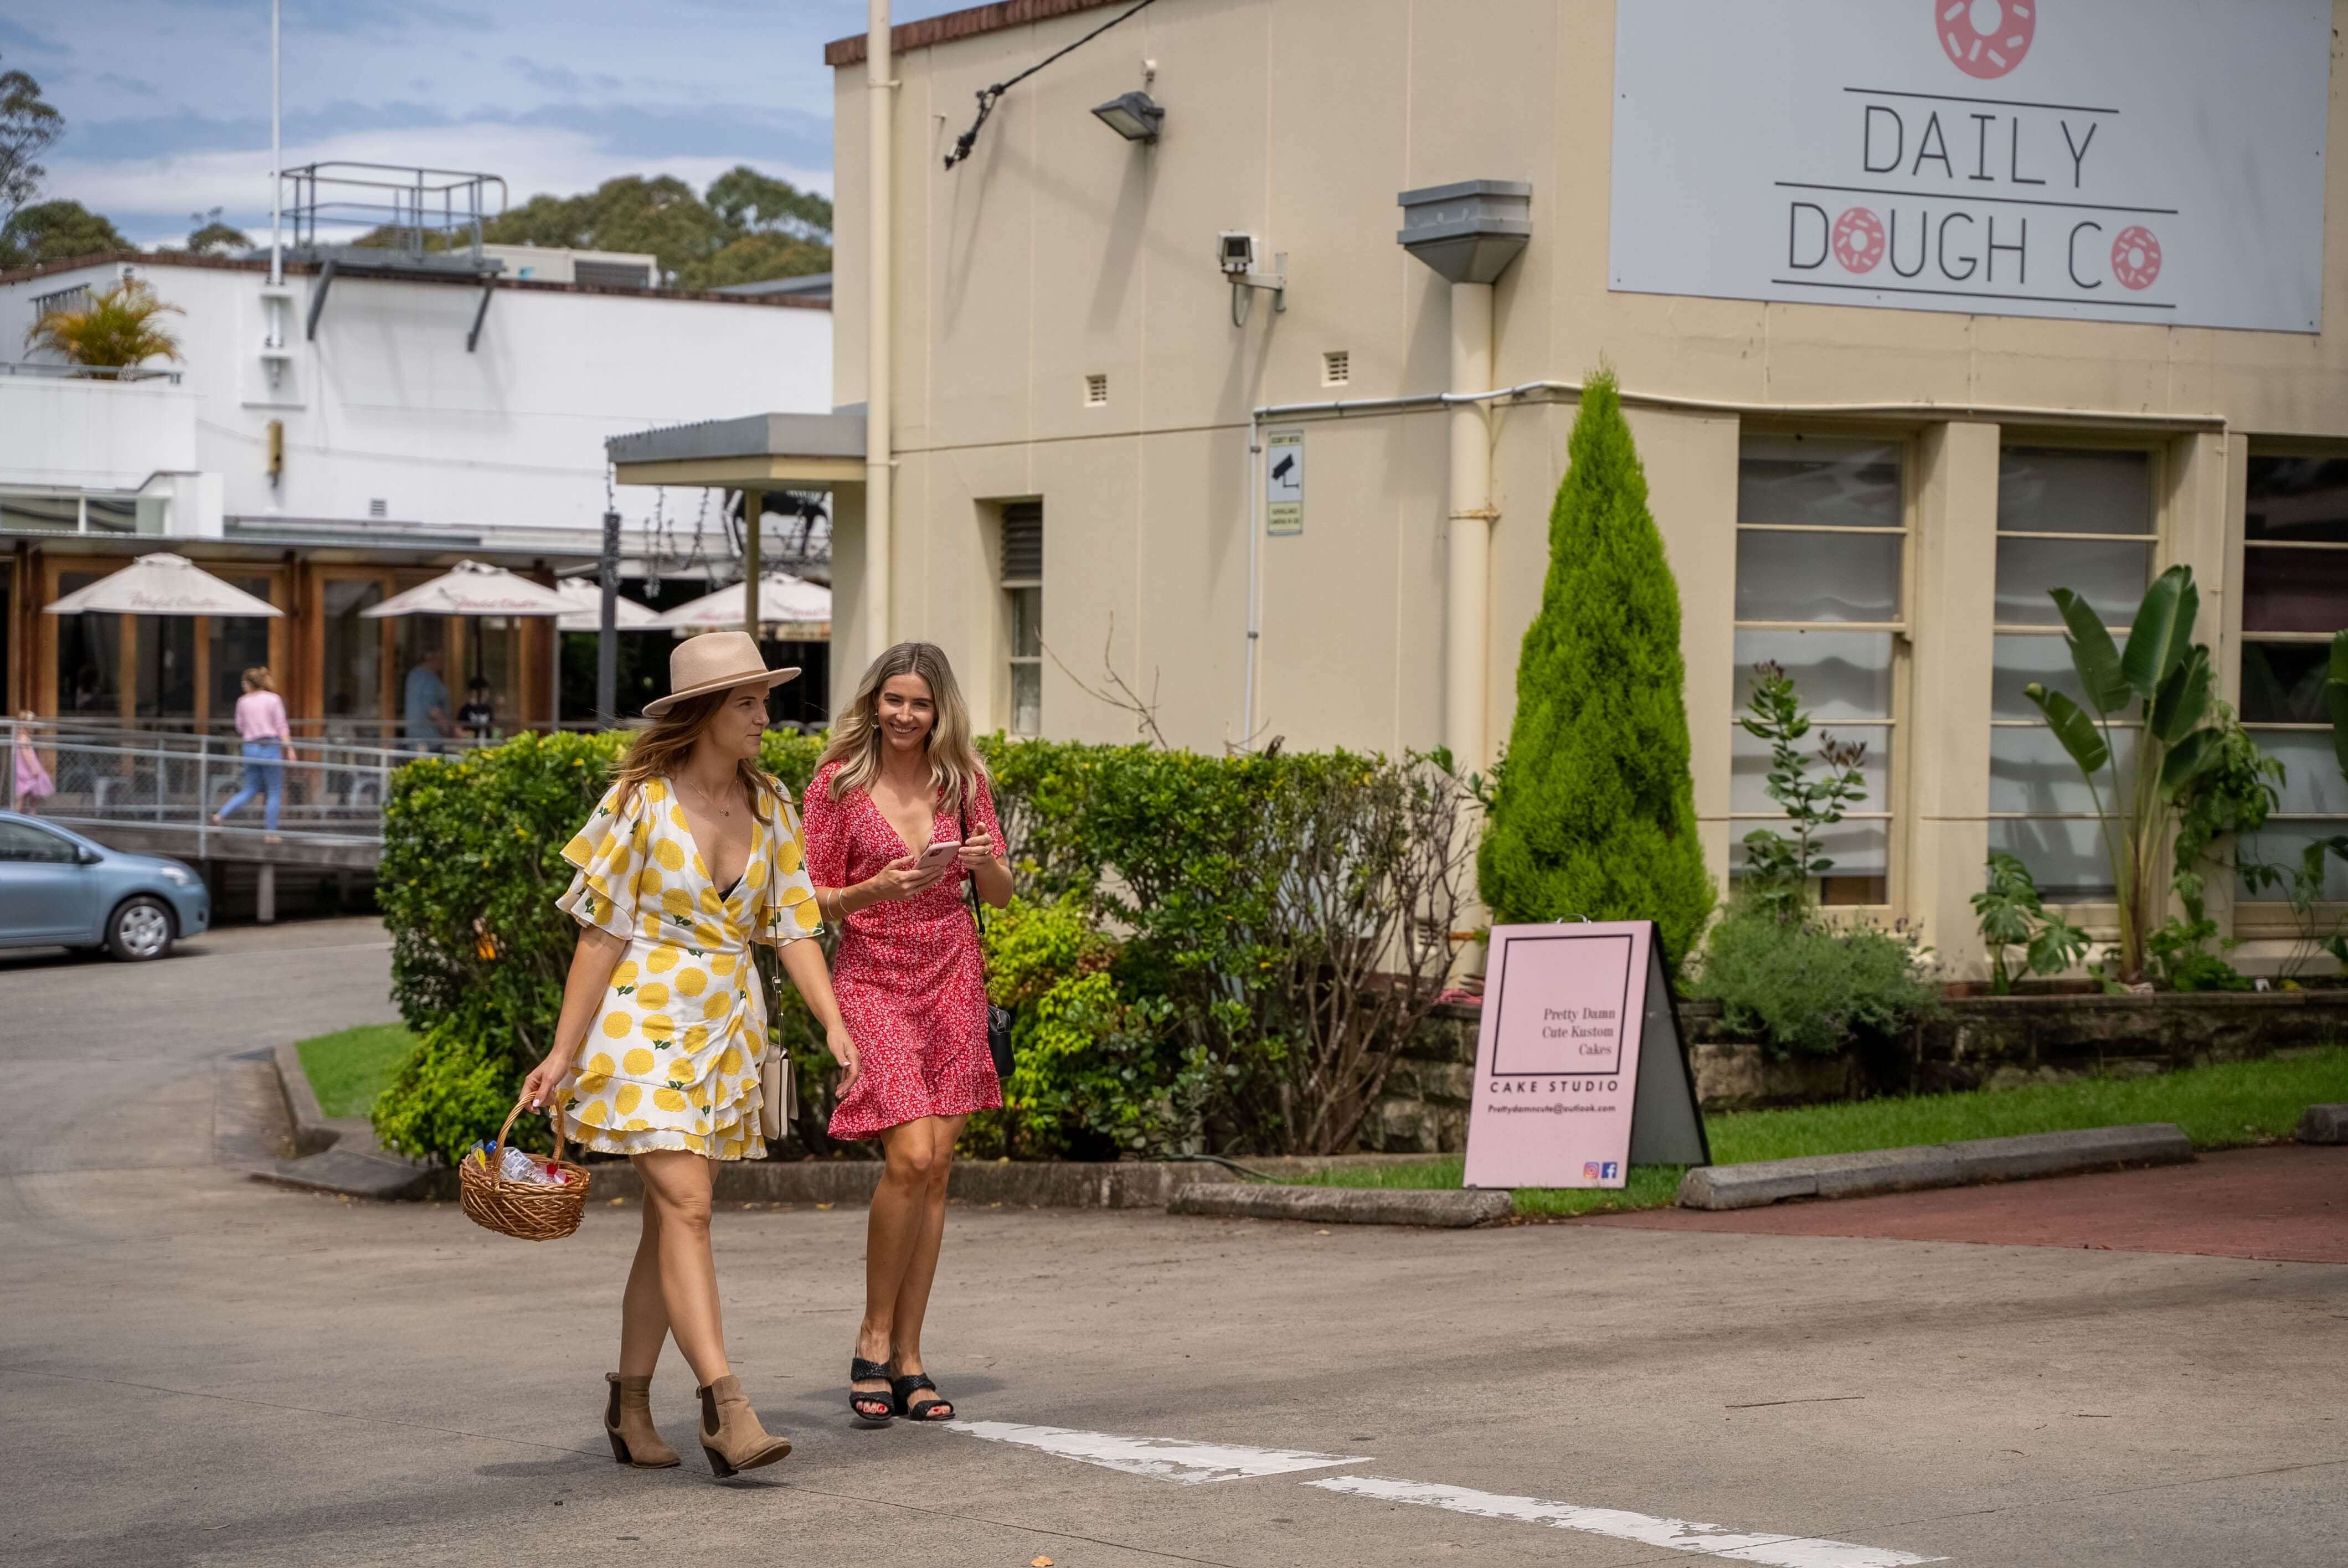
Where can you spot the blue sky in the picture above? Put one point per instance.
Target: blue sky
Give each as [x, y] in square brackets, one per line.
[167, 101]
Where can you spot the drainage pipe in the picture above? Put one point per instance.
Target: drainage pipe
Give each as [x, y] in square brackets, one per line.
[880, 317]
[1468, 527]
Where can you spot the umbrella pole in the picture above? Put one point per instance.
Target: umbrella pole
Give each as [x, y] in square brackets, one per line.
[754, 505]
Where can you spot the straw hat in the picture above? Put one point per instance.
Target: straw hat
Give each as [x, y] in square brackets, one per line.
[712, 662]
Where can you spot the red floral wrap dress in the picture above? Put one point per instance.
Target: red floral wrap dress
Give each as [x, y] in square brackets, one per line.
[908, 973]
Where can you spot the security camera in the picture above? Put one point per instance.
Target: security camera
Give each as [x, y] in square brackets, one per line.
[1236, 252]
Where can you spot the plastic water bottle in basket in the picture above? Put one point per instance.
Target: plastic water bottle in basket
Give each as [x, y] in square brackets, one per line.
[519, 1195]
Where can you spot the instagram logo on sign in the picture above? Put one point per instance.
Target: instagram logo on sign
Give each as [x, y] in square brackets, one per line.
[1986, 38]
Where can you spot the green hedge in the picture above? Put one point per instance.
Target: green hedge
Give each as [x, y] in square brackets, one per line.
[1185, 956]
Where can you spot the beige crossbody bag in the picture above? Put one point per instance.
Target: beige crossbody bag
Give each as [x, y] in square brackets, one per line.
[778, 1086]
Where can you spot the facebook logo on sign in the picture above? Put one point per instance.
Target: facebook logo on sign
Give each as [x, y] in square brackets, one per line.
[1606, 1171]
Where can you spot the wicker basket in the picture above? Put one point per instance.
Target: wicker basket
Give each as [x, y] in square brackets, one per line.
[529, 1212]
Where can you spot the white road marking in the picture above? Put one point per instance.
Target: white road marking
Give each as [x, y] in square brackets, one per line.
[1678, 1534]
[1165, 1458]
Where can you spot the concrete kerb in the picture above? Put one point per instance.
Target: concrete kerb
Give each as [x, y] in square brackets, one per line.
[2323, 1124]
[339, 1154]
[1969, 1164]
[1447, 1208]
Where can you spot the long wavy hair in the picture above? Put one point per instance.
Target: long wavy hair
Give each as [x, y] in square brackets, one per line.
[660, 747]
[856, 738]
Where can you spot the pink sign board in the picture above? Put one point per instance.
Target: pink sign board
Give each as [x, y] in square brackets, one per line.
[1556, 1061]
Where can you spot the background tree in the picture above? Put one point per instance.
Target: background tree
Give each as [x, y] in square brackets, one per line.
[1593, 813]
[119, 328]
[28, 124]
[210, 234]
[58, 231]
[751, 226]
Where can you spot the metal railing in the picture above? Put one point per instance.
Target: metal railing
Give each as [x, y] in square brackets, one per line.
[39, 370]
[107, 776]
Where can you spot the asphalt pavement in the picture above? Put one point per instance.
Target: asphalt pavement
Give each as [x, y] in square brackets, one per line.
[201, 1368]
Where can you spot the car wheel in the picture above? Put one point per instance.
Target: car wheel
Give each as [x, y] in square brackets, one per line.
[140, 930]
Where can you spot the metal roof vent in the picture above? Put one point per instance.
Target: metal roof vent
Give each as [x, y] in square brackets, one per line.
[1468, 231]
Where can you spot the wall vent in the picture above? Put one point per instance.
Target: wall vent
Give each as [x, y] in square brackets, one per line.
[1097, 392]
[1336, 367]
[1023, 542]
[379, 507]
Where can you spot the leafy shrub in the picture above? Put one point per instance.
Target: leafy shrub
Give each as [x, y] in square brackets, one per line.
[453, 1091]
[1594, 813]
[1295, 911]
[1098, 1075]
[2012, 916]
[1801, 986]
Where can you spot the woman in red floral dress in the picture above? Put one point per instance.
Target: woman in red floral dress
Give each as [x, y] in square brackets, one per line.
[900, 773]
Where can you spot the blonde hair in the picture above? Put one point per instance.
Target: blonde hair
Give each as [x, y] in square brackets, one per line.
[856, 733]
[258, 679]
[660, 747]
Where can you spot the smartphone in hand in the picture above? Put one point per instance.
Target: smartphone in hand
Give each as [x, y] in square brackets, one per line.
[938, 856]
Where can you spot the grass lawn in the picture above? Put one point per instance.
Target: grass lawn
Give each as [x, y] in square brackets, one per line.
[2219, 1107]
[350, 1067]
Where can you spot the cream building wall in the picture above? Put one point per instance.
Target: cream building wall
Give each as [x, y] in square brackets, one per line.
[1060, 251]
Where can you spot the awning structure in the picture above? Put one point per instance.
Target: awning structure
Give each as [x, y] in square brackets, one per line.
[162, 583]
[758, 452]
[790, 609]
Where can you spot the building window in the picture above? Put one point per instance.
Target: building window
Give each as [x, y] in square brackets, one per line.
[1821, 537]
[2083, 520]
[1336, 367]
[2294, 597]
[1097, 392]
[1023, 594]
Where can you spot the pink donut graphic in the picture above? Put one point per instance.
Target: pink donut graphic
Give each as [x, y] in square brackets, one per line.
[1859, 241]
[1986, 39]
[2135, 258]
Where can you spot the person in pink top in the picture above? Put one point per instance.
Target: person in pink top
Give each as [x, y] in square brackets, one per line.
[33, 782]
[268, 747]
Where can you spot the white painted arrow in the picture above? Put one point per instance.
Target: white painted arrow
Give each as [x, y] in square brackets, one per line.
[1677, 1534]
[1167, 1458]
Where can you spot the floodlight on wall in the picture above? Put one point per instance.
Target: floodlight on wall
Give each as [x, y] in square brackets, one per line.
[1134, 115]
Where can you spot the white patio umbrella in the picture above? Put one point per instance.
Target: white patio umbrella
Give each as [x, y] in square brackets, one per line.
[584, 595]
[788, 607]
[469, 588]
[161, 584]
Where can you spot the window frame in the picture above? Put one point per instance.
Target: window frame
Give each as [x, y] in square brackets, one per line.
[1894, 814]
[2099, 912]
[2269, 918]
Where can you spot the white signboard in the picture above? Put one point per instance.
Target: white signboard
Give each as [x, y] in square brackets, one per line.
[1283, 482]
[2155, 161]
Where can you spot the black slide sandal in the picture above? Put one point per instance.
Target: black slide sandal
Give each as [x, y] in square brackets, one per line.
[904, 1387]
[860, 1370]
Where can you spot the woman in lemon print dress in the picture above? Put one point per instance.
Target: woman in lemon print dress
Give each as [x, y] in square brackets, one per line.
[692, 855]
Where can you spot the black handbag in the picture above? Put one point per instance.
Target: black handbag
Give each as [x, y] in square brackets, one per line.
[998, 1019]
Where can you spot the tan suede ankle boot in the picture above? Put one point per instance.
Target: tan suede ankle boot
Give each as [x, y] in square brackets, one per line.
[730, 1433]
[628, 1422]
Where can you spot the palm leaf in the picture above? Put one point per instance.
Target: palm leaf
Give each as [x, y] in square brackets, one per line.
[2188, 760]
[2162, 631]
[2079, 733]
[2093, 655]
[2183, 697]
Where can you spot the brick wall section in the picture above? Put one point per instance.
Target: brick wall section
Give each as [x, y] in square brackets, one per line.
[1979, 1043]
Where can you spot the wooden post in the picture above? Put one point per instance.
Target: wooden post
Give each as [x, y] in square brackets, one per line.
[754, 505]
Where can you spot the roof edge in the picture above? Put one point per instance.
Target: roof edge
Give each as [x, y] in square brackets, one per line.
[956, 25]
[304, 268]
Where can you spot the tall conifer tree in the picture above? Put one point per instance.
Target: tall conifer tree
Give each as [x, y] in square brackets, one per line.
[1595, 811]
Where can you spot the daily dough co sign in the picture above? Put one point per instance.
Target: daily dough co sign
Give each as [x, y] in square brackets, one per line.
[2104, 160]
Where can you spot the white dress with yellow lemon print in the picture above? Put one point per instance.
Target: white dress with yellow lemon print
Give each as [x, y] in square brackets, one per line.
[672, 1060]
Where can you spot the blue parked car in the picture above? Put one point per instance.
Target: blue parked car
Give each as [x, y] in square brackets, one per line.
[60, 890]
